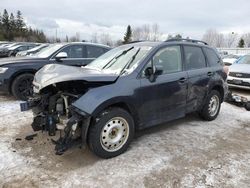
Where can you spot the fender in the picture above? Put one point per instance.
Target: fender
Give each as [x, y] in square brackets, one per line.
[97, 99]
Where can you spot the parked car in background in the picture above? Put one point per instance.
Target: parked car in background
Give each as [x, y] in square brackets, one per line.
[131, 87]
[19, 48]
[32, 50]
[230, 59]
[3, 44]
[4, 51]
[239, 73]
[16, 74]
[222, 53]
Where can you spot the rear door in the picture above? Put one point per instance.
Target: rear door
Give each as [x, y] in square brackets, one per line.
[165, 98]
[198, 76]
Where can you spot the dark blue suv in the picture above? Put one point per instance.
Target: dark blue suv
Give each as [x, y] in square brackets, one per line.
[129, 88]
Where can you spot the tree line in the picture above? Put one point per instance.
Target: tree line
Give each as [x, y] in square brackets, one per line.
[13, 28]
[144, 32]
[226, 40]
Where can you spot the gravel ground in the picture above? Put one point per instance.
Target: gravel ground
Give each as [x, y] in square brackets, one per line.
[184, 153]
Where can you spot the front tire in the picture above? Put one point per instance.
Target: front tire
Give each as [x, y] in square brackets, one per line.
[212, 106]
[111, 133]
[21, 87]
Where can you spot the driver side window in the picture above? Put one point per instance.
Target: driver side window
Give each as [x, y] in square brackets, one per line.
[75, 51]
[169, 59]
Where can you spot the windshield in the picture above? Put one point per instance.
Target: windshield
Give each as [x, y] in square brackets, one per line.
[120, 58]
[46, 52]
[244, 60]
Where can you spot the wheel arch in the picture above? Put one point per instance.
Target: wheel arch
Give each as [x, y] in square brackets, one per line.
[18, 73]
[220, 89]
[117, 103]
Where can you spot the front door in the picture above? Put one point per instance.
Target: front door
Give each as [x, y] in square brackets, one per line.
[77, 56]
[165, 98]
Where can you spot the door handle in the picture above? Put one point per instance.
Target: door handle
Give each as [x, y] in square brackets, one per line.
[209, 73]
[182, 80]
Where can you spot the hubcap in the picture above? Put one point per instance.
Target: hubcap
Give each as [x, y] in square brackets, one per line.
[114, 134]
[214, 104]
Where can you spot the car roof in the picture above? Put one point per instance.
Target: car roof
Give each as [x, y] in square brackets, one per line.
[84, 43]
[153, 44]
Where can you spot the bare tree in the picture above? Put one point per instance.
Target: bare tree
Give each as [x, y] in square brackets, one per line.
[78, 36]
[219, 40]
[105, 38]
[137, 33]
[231, 39]
[213, 38]
[246, 38]
[155, 34]
[210, 37]
[147, 32]
[94, 38]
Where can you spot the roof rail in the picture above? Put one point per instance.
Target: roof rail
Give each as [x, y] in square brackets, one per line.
[135, 41]
[187, 40]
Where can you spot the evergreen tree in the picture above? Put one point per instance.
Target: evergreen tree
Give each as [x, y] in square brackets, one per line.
[241, 43]
[1, 28]
[12, 26]
[20, 25]
[128, 35]
[5, 24]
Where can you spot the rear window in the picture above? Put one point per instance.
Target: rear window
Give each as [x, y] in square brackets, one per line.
[212, 57]
[194, 58]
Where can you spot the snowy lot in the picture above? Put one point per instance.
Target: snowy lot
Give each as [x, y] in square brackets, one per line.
[184, 153]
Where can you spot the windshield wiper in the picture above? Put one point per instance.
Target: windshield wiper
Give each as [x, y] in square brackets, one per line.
[109, 64]
[130, 62]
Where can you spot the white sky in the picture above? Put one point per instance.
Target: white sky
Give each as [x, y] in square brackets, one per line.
[189, 18]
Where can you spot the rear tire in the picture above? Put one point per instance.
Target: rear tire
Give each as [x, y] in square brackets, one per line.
[21, 87]
[211, 107]
[111, 133]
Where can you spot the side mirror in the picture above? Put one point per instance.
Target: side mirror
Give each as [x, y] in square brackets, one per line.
[158, 69]
[152, 72]
[61, 55]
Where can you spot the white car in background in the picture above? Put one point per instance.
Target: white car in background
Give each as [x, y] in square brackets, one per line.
[230, 59]
[239, 73]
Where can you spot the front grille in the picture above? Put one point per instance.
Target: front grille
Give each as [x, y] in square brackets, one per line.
[239, 75]
[241, 84]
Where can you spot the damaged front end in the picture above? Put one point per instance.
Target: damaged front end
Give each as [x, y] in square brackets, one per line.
[56, 88]
[53, 113]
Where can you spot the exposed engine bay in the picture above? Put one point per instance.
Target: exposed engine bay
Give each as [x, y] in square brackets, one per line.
[53, 113]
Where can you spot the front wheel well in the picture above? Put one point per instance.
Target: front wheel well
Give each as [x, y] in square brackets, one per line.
[14, 76]
[121, 105]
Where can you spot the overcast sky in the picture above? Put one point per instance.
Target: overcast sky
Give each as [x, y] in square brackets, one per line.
[187, 17]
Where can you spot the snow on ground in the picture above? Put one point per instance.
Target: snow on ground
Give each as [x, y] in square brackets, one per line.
[184, 153]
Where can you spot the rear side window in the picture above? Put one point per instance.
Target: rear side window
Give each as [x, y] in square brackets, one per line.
[194, 58]
[212, 57]
[94, 52]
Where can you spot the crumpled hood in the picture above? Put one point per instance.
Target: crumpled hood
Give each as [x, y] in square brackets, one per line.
[54, 73]
[242, 68]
